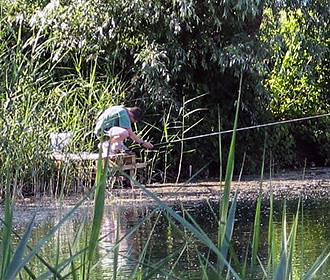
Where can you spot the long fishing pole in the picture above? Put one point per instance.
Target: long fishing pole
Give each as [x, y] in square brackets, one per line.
[242, 128]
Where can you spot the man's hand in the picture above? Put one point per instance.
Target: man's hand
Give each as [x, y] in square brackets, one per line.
[138, 140]
[147, 145]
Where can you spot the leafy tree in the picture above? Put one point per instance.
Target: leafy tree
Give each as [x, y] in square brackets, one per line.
[297, 77]
[162, 52]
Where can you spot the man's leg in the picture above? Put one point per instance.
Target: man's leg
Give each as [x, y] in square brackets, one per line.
[117, 136]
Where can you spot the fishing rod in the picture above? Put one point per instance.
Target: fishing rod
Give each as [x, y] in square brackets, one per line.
[241, 129]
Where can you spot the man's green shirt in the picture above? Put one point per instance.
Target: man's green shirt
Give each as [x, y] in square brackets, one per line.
[113, 116]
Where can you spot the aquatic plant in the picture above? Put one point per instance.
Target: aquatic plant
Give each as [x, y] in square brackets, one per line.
[35, 103]
[81, 261]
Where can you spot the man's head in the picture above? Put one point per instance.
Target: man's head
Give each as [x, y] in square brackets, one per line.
[135, 114]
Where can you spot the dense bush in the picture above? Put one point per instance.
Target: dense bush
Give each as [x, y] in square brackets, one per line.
[63, 62]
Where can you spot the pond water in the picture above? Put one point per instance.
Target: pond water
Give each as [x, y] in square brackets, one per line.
[164, 238]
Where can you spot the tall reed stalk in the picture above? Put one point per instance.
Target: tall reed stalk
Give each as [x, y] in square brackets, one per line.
[184, 129]
[225, 226]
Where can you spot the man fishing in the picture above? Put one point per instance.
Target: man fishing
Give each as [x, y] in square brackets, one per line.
[114, 126]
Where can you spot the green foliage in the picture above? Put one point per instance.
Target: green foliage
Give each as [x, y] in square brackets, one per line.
[296, 77]
[63, 62]
[35, 102]
[156, 45]
[11, 266]
[293, 80]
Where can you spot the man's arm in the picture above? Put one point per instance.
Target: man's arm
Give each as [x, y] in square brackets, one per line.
[138, 140]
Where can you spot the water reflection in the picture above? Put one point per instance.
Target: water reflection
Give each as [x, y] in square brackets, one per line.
[165, 238]
[114, 233]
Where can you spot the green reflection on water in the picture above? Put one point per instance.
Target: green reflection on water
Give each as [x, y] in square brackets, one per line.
[313, 236]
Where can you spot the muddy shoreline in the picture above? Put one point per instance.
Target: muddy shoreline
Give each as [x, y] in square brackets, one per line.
[309, 184]
[313, 183]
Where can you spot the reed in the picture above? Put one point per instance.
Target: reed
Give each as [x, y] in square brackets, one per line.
[82, 260]
[81, 270]
[35, 101]
[28, 119]
[39, 96]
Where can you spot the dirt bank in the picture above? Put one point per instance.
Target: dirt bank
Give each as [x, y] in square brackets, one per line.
[312, 183]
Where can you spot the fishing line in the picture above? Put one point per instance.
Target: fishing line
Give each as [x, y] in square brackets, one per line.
[243, 128]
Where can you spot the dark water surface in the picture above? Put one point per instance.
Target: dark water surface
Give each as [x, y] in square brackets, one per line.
[164, 238]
